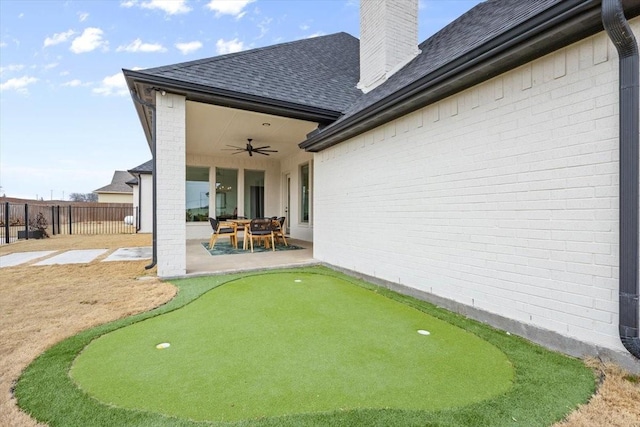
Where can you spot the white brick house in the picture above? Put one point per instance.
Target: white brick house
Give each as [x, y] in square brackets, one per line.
[483, 174]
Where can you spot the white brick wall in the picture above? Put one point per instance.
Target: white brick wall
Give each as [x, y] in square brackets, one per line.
[170, 179]
[503, 197]
[146, 209]
[388, 39]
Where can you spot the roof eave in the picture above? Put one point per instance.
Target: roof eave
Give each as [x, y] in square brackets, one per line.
[556, 27]
[137, 80]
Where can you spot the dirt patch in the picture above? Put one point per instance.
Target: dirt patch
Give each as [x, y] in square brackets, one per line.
[41, 306]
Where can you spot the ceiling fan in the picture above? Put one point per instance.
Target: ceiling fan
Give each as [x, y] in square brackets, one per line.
[251, 149]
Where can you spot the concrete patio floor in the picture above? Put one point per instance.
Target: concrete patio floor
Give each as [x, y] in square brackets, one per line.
[201, 263]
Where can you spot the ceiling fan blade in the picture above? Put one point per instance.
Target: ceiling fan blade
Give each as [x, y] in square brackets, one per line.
[267, 151]
[261, 148]
[234, 146]
[261, 152]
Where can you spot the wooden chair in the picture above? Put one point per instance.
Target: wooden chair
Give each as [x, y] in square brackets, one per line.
[278, 229]
[260, 228]
[223, 229]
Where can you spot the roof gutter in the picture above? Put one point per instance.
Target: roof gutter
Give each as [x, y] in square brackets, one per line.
[152, 107]
[232, 99]
[622, 37]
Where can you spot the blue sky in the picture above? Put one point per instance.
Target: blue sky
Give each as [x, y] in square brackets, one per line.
[66, 119]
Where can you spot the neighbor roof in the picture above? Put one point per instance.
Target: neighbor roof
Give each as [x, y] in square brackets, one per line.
[118, 183]
[320, 72]
[145, 168]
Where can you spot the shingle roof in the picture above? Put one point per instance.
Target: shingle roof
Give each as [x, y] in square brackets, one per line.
[318, 72]
[145, 168]
[118, 183]
[477, 26]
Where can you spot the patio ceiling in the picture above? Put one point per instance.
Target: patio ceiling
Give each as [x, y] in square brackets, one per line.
[210, 128]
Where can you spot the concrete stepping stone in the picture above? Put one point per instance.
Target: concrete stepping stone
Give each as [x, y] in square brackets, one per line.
[21, 258]
[130, 254]
[78, 256]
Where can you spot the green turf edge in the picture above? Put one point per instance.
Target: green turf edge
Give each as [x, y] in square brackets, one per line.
[546, 386]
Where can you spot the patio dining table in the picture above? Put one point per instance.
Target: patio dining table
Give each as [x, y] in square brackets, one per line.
[244, 223]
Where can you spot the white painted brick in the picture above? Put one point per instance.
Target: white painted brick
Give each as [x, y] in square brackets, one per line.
[510, 204]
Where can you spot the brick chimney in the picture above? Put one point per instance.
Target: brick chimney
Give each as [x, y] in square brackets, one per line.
[388, 39]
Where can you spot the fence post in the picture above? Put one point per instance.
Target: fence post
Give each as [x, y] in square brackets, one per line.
[26, 221]
[7, 229]
[70, 230]
[53, 220]
[58, 218]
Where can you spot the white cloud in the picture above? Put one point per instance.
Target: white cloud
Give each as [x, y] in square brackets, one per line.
[229, 7]
[90, 39]
[2, 44]
[318, 34]
[72, 83]
[82, 16]
[187, 48]
[50, 66]
[11, 68]
[58, 38]
[170, 7]
[138, 46]
[264, 27]
[64, 73]
[304, 27]
[114, 85]
[230, 46]
[18, 84]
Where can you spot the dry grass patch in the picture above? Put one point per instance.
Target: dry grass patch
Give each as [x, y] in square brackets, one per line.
[41, 305]
[616, 404]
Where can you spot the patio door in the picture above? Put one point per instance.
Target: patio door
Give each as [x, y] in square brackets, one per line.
[254, 193]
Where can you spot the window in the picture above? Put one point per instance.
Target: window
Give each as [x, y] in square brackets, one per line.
[197, 194]
[305, 193]
[226, 193]
[254, 194]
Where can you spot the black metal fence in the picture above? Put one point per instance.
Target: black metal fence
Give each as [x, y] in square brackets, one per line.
[22, 220]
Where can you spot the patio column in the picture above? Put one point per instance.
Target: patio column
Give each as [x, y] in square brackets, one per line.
[170, 181]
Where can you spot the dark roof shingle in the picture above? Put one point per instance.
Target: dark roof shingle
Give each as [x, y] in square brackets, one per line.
[145, 168]
[477, 26]
[118, 183]
[319, 72]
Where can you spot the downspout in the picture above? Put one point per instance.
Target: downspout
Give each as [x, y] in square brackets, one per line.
[620, 34]
[154, 256]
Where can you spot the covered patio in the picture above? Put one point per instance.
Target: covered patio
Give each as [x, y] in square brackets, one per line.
[225, 133]
[201, 263]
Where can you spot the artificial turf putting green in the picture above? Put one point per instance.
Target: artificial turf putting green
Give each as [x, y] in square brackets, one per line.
[290, 343]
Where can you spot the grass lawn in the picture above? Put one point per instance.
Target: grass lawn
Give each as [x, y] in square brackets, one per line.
[266, 349]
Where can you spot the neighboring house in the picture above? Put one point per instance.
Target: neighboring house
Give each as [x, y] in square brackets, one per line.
[142, 185]
[118, 191]
[478, 169]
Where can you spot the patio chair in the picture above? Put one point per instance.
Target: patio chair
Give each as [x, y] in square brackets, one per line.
[278, 229]
[260, 228]
[221, 228]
